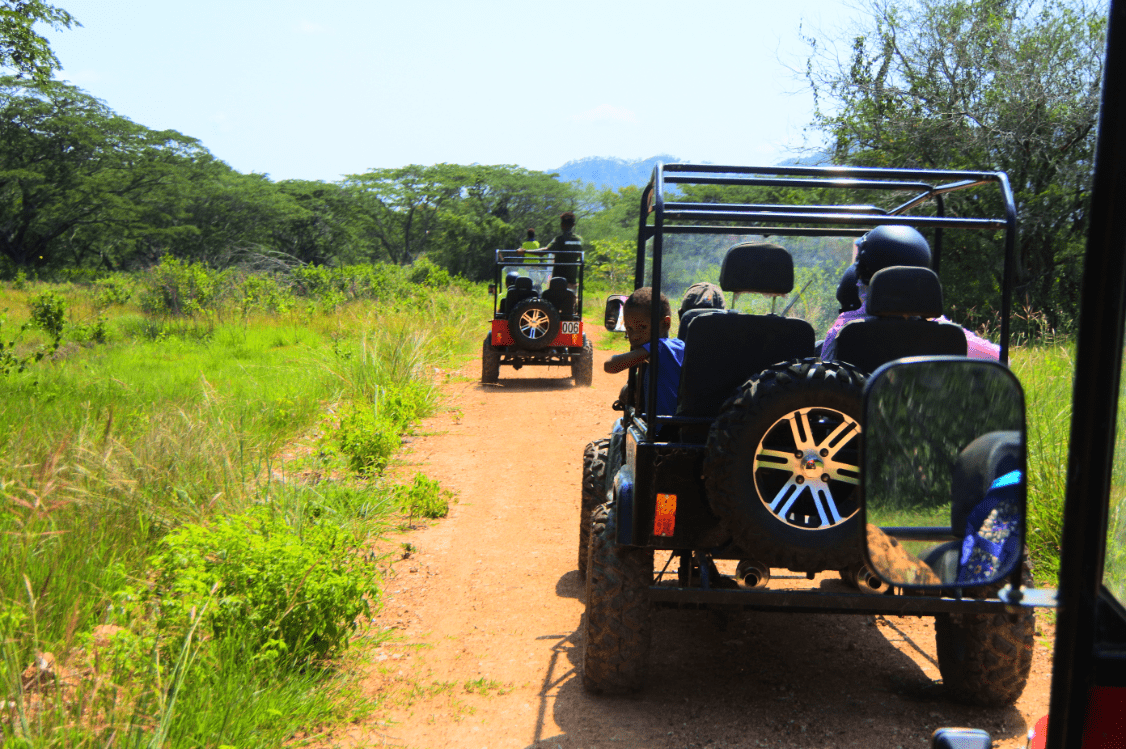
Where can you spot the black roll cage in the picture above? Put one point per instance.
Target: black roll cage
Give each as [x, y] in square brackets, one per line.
[513, 257]
[669, 216]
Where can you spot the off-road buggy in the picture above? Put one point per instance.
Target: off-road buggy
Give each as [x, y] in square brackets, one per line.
[537, 318]
[760, 467]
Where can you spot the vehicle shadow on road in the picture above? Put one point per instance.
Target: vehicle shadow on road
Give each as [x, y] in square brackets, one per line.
[779, 679]
[526, 384]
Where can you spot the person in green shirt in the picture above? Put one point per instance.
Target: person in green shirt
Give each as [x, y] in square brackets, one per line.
[567, 248]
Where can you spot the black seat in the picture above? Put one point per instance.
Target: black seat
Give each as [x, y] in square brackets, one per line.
[723, 349]
[560, 297]
[518, 293]
[900, 299]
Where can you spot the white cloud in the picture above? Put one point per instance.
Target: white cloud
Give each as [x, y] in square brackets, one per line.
[605, 113]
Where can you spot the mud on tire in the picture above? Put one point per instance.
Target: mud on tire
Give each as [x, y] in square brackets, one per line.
[582, 368]
[782, 465]
[594, 494]
[618, 625]
[985, 659]
[490, 361]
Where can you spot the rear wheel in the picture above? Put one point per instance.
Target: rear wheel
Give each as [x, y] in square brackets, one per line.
[490, 361]
[582, 368]
[618, 617]
[985, 659]
[594, 494]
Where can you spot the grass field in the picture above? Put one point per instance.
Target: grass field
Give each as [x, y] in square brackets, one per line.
[184, 588]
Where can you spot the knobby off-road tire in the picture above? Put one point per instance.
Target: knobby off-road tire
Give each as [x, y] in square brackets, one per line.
[782, 465]
[618, 616]
[594, 494]
[985, 658]
[490, 361]
[582, 369]
[533, 324]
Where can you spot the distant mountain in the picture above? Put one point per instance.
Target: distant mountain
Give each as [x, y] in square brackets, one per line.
[611, 172]
[615, 173]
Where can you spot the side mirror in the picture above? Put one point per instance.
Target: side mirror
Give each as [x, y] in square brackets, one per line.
[492, 288]
[943, 476]
[613, 318]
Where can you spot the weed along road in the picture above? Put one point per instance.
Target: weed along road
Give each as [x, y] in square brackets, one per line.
[485, 611]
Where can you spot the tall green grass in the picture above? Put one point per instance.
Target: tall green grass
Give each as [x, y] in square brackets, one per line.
[171, 424]
[1045, 371]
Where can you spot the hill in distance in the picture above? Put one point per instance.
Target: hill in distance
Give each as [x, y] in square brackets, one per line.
[616, 173]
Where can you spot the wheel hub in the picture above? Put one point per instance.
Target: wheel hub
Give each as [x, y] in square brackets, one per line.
[807, 468]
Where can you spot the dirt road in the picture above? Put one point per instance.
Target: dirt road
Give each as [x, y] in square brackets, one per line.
[487, 609]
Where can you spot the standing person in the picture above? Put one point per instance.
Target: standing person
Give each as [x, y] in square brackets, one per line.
[568, 250]
[530, 242]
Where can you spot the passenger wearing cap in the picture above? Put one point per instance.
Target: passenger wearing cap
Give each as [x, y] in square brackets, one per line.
[884, 247]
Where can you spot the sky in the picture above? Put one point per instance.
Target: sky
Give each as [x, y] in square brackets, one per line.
[301, 90]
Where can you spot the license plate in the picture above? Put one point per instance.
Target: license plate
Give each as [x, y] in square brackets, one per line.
[570, 328]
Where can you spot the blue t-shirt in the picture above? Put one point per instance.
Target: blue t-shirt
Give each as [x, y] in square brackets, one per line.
[671, 356]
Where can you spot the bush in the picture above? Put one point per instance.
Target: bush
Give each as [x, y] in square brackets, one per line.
[48, 313]
[424, 497]
[368, 440]
[280, 592]
[117, 289]
[179, 289]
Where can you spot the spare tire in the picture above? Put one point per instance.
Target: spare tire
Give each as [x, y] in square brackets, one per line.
[533, 324]
[783, 465]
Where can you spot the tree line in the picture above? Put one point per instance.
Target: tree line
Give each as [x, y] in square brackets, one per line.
[997, 85]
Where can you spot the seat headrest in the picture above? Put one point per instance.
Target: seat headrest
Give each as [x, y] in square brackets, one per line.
[524, 283]
[905, 291]
[760, 267]
[557, 283]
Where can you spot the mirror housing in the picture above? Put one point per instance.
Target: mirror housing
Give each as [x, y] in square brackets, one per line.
[943, 459]
[492, 288]
[615, 304]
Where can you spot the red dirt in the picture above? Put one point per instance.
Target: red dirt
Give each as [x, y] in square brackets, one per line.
[492, 593]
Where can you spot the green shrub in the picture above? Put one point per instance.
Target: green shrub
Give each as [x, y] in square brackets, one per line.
[424, 497]
[368, 440]
[47, 311]
[179, 289]
[425, 273]
[281, 592]
[112, 290]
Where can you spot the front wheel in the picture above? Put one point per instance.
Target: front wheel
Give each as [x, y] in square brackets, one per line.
[618, 617]
[594, 494]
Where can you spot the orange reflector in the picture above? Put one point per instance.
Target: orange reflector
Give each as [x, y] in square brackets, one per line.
[664, 520]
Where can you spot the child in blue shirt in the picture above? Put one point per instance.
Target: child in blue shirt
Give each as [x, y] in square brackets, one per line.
[637, 314]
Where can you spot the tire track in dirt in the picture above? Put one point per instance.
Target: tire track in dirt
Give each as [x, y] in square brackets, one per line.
[491, 599]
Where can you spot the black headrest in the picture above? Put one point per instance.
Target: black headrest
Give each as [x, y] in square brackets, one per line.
[905, 291]
[760, 267]
[524, 283]
[557, 283]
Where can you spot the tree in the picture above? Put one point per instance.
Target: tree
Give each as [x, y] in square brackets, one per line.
[402, 205]
[21, 48]
[998, 85]
[71, 168]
